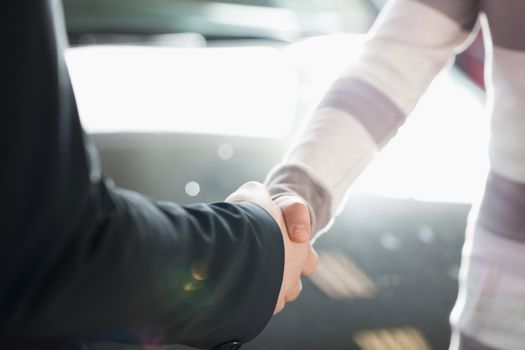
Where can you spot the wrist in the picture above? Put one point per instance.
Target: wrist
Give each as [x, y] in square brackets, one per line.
[293, 180]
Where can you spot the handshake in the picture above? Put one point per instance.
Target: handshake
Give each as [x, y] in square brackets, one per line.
[293, 217]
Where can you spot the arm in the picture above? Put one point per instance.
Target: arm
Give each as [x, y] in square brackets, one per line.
[410, 43]
[82, 258]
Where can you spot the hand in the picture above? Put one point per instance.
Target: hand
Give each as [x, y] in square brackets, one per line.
[296, 215]
[300, 258]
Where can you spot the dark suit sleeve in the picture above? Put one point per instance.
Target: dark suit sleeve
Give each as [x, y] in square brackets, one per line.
[81, 259]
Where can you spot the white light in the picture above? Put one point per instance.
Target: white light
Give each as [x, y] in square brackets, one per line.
[192, 188]
[441, 154]
[249, 91]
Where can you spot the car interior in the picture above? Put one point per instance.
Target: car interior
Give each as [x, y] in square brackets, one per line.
[187, 100]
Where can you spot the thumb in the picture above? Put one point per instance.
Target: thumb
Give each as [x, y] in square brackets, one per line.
[296, 216]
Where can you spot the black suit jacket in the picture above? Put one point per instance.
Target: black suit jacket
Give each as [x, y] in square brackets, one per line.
[81, 259]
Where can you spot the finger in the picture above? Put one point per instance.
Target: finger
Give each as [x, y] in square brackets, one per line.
[311, 262]
[247, 191]
[279, 307]
[253, 185]
[297, 217]
[294, 292]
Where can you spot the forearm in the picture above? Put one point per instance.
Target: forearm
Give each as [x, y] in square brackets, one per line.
[331, 153]
[156, 272]
[410, 43]
[83, 259]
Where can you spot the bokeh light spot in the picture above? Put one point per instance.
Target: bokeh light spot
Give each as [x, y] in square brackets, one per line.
[425, 234]
[225, 151]
[396, 338]
[190, 286]
[198, 272]
[390, 241]
[192, 188]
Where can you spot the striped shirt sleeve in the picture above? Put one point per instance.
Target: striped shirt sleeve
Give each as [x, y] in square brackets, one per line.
[411, 41]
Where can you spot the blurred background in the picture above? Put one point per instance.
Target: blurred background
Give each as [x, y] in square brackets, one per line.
[187, 100]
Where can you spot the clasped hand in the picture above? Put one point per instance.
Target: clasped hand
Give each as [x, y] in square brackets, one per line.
[293, 217]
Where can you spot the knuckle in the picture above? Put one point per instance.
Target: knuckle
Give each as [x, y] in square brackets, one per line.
[234, 197]
[253, 184]
[292, 296]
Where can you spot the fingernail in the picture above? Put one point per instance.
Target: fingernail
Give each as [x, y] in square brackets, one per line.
[299, 231]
